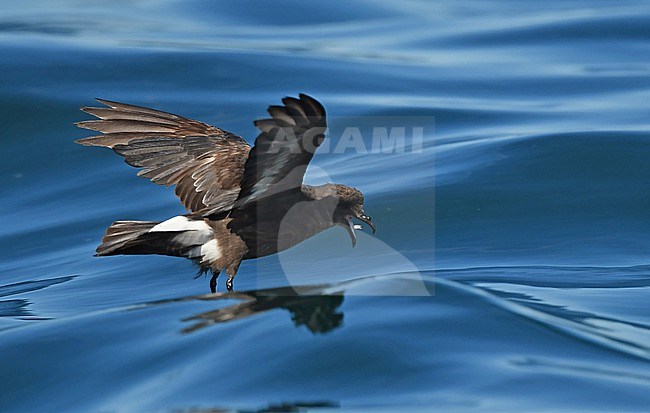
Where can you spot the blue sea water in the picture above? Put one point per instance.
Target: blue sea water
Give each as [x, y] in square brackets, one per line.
[511, 267]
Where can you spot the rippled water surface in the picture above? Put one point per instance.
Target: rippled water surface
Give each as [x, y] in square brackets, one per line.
[511, 267]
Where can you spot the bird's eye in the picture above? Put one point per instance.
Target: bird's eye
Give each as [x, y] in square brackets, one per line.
[318, 139]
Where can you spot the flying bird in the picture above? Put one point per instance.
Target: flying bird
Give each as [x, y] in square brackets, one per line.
[242, 202]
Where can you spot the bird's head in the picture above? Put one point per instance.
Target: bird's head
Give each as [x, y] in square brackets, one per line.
[350, 206]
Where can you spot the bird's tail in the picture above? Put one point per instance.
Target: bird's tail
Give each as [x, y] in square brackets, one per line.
[179, 236]
[125, 237]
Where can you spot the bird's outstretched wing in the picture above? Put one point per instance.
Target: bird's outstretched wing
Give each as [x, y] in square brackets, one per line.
[283, 149]
[204, 162]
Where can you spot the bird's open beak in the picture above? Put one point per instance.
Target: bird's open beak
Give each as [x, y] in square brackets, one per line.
[351, 226]
[365, 218]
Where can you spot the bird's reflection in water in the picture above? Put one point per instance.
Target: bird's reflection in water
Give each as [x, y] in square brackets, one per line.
[316, 312]
[286, 407]
[315, 307]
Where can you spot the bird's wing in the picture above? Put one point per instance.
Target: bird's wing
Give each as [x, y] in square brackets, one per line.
[283, 149]
[204, 162]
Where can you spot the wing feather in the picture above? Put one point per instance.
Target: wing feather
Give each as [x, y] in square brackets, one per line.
[283, 149]
[204, 162]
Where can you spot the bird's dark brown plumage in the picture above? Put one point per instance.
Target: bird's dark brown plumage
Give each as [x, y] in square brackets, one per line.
[205, 163]
[244, 203]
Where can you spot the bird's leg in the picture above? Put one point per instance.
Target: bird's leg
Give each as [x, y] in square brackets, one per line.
[213, 281]
[232, 271]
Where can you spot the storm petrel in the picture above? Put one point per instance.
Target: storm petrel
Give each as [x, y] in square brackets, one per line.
[243, 202]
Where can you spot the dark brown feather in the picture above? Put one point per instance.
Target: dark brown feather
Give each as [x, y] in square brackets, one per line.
[204, 162]
[283, 149]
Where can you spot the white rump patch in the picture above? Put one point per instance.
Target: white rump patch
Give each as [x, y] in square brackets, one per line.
[210, 251]
[192, 238]
[181, 223]
[191, 233]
